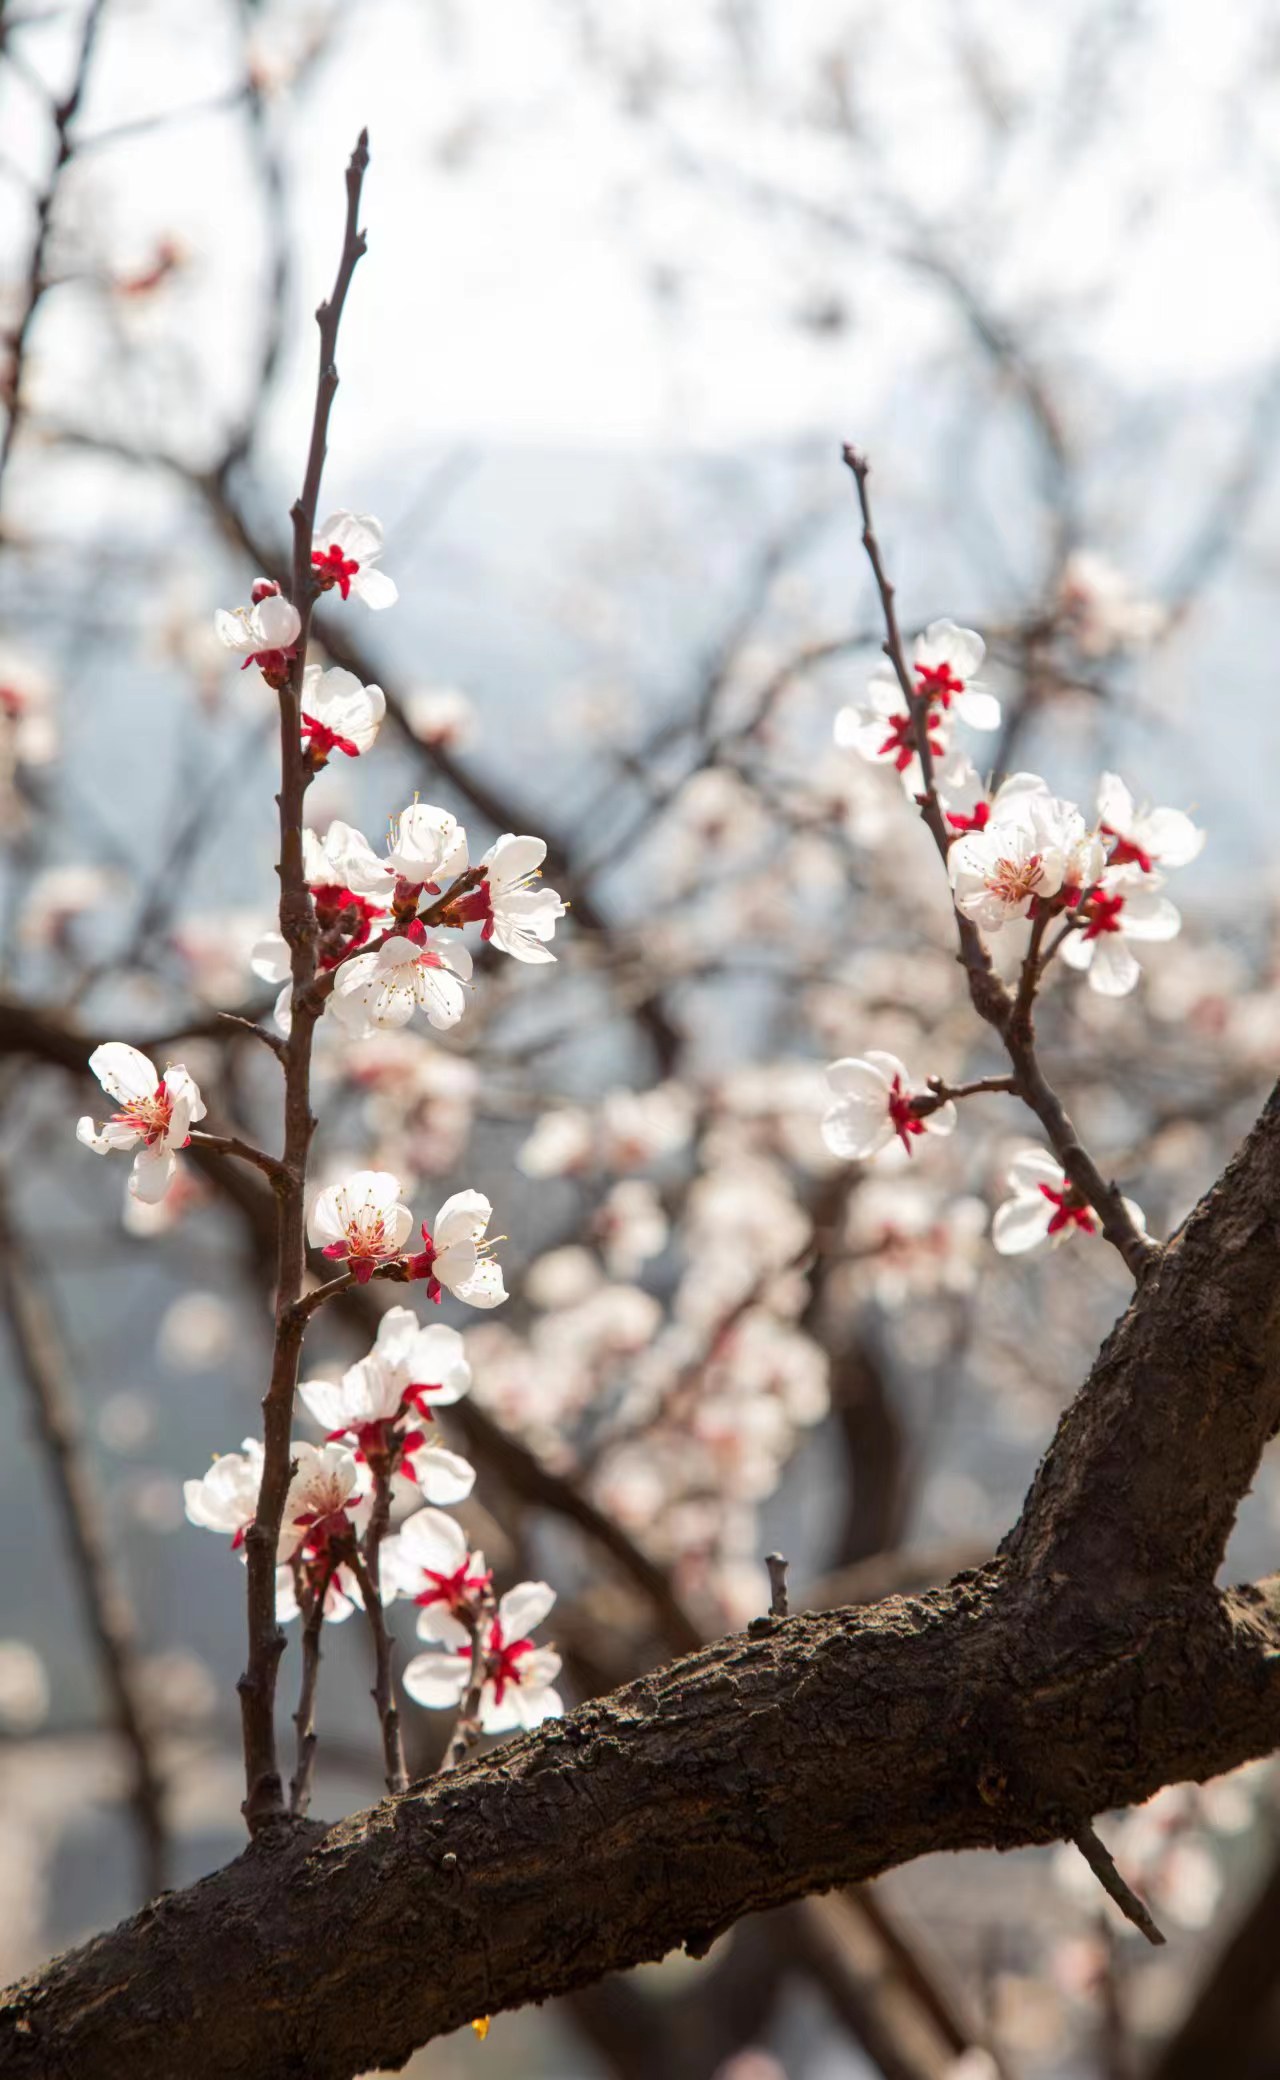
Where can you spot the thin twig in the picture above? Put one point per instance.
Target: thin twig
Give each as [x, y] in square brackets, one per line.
[467, 1728]
[365, 1567]
[311, 1603]
[777, 1566]
[264, 1798]
[232, 1145]
[1100, 1861]
[1011, 1017]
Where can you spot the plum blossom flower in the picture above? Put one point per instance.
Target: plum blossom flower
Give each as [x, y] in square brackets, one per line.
[422, 971]
[427, 846]
[226, 1498]
[1125, 906]
[1039, 846]
[361, 1221]
[1045, 1207]
[519, 1677]
[454, 1253]
[874, 1103]
[339, 713]
[155, 1116]
[380, 1406]
[1146, 838]
[343, 554]
[429, 1562]
[265, 634]
[516, 917]
[944, 661]
[968, 807]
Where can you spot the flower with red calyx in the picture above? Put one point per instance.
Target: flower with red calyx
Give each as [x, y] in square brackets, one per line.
[265, 634]
[1031, 847]
[1125, 905]
[338, 713]
[883, 731]
[343, 553]
[420, 971]
[379, 1405]
[430, 1564]
[516, 917]
[1147, 838]
[874, 1106]
[946, 660]
[454, 1253]
[155, 1116]
[1045, 1207]
[361, 1222]
[519, 1676]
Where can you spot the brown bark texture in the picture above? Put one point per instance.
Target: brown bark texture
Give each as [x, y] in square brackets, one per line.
[1091, 1662]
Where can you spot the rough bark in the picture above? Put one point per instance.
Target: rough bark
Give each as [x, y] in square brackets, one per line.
[1090, 1663]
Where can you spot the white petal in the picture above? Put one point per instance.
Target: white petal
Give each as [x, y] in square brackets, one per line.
[1021, 1224]
[854, 1132]
[1031, 1168]
[978, 710]
[524, 1607]
[1115, 970]
[1115, 804]
[1147, 915]
[436, 1680]
[858, 1077]
[464, 1216]
[433, 1540]
[124, 1074]
[153, 1172]
[484, 1288]
[375, 588]
[1171, 837]
[443, 1476]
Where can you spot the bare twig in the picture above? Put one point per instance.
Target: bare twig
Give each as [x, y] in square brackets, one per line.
[1011, 1017]
[777, 1566]
[231, 1145]
[366, 1570]
[1101, 1863]
[311, 1603]
[466, 1730]
[264, 1801]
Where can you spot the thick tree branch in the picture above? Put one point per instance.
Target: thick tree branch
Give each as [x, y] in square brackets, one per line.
[737, 1779]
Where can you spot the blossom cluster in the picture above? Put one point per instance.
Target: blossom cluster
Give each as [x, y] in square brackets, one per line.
[378, 1422]
[1017, 856]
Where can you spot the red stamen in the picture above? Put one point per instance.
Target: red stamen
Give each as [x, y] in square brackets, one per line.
[333, 568]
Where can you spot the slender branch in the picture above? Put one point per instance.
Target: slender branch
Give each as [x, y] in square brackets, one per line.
[365, 1567]
[231, 1145]
[264, 1800]
[311, 1603]
[108, 1613]
[467, 1729]
[1011, 1017]
[777, 1566]
[1101, 1862]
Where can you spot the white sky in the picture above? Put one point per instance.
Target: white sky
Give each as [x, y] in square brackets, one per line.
[508, 299]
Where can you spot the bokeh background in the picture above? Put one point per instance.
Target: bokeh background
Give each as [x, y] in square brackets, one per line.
[635, 272]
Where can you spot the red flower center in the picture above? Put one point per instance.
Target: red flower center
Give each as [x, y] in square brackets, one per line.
[1103, 912]
[905, 1123]
[1069, 1211]
[900, 744]
[1125, 853]
[333, 568]
[938, 682]
[977, 821]
[324, 740]
[504, 1658]
[456, 1589]
[151, 1114]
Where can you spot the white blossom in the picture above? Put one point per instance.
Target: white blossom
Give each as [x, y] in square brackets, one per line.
[519, 1681]
[427, 846]
[1146, 838]
[874, 1104]
[375, 990]
[455, 1253]
[1038, 846]
[264, 633]
[1126, 906]
[517, 917]
[155, 1116]
[339, 713]
[344, 552]
[361, 1221]
[1044, 1206]
[429, 1562]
